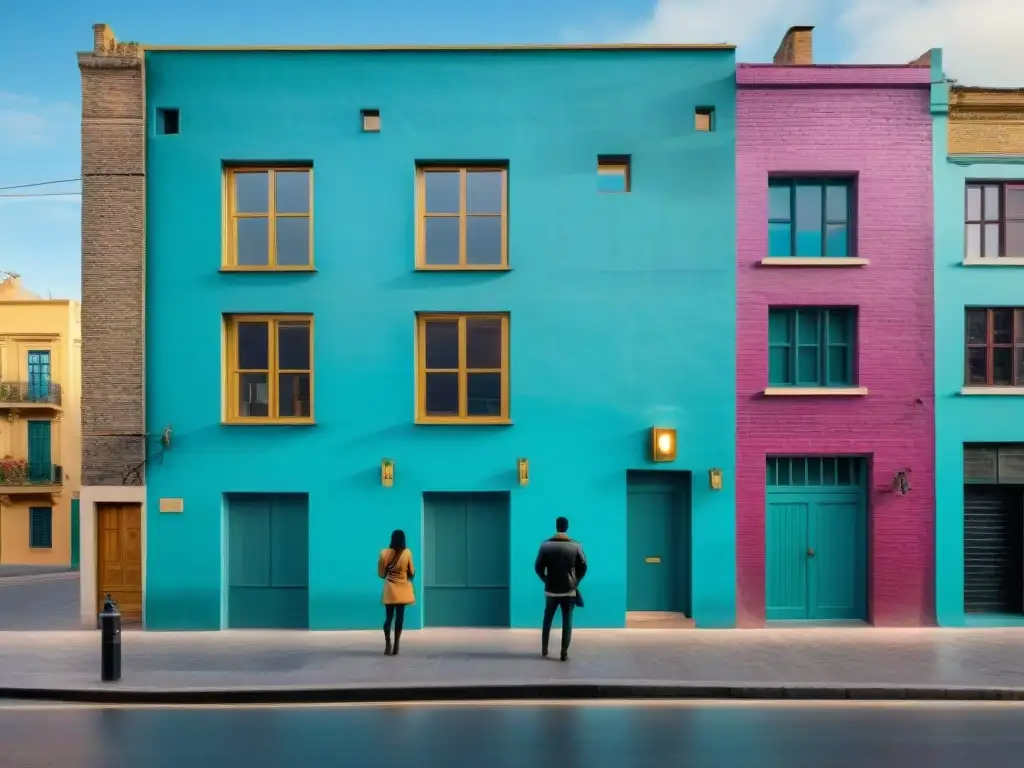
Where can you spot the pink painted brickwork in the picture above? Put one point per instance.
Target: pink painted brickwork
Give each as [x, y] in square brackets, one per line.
[882, 135]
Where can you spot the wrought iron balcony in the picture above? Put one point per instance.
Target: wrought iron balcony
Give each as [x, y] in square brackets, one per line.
[20, 476]
[29, 394]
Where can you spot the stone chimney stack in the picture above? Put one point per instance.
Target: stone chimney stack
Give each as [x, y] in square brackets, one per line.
[797, 47]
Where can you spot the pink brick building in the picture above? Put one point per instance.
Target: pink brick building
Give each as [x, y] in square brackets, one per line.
[835, 342]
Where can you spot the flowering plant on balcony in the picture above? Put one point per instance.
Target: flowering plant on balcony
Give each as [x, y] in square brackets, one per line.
[13, 471]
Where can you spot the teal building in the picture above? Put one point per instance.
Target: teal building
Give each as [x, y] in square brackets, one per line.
[452, 291]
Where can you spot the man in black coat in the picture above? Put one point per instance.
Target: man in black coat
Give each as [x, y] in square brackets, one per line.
[561, 565]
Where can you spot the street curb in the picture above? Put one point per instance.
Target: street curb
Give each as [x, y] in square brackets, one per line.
[114, 694]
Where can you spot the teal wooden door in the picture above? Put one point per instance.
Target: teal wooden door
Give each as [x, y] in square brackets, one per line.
[38, 376]
[657, 543]
[268, 561]
[786, 545]
[815, 539]
[40, 451]
[466, 560]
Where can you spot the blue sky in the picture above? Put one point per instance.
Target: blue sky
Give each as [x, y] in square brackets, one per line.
[40, 85]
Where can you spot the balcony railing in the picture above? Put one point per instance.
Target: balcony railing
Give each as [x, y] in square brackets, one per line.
[18, 473]
[28, 393]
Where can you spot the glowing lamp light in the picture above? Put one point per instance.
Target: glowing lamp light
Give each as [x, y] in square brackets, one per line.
[663, 444]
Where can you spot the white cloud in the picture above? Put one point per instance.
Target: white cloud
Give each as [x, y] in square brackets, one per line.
[743, 22]
[981, 39]
[30, 122]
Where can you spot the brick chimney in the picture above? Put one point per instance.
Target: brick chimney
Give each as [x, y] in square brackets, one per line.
[797, 47]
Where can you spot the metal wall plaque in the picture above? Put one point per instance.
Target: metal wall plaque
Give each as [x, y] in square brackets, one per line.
[172, 505]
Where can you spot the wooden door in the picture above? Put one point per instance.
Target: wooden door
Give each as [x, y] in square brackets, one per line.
[657, 543]
[119, 557]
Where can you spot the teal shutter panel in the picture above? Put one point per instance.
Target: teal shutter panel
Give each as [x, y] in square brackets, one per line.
[268, 561]
[465, 562]
[40, 452]
[40, 527]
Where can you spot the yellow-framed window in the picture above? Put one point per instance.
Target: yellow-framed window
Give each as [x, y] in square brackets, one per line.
[269, 369]
[269, 219]
[463, 368]
[462, 217]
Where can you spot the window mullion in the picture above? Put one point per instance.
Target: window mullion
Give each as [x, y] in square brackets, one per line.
[990, 346]
[794, 346]
[823, 317]
[792, 220]
[272, 352]
[271, 218]
[463, 216]
[824, 219]
[463, 375]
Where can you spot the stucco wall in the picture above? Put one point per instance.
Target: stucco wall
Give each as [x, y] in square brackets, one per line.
[621, 309]
[958, 419]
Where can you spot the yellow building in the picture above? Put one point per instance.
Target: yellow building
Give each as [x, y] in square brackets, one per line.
[40, 425]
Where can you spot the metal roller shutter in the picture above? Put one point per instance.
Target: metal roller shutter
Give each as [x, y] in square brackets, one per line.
[993, 550]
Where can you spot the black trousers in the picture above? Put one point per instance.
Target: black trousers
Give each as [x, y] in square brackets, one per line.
[396, 612]
[552, 604]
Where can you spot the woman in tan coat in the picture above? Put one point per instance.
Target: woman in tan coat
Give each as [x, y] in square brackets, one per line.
[395, 566]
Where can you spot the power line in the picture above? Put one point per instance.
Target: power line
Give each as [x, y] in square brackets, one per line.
[46, 194]
[40, 184]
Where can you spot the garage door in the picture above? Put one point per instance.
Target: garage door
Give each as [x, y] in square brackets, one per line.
[466, 560]
[993, 544]
[815, 539]
[268, 561]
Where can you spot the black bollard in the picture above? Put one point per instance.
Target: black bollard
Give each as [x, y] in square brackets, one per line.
[110, 642]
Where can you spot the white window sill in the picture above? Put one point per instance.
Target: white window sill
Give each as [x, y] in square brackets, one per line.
[996, 261]
[815, 391]
[999, 391]
[816, 261]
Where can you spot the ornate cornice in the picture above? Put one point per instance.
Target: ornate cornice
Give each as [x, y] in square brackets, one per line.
[986, 104]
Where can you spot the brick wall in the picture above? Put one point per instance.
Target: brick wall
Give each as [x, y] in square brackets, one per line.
[113, 260]
[884, 136]
[986, 122]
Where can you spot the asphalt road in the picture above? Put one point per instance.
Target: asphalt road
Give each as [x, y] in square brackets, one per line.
[38, 605]
[603, 735]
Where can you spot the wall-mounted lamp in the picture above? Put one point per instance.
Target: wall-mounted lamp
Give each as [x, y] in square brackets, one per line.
[901, 482]
[387, 472]
[524, 471]
[715, 479]
[663, 444]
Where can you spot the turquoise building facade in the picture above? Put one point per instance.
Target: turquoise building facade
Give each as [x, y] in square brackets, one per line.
[597, 187]
[978, 283]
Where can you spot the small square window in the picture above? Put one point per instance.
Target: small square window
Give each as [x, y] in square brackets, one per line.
[371, 120]
[168, 121]
[613, 175]
[704, 119]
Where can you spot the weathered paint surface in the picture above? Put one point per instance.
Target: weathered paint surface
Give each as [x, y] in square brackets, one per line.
[621, 306]
[874, 123]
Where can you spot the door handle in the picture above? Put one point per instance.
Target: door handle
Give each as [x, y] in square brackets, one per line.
[652, 560]
[810, 552]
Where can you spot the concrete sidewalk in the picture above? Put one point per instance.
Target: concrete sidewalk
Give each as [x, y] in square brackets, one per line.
[444, 664]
